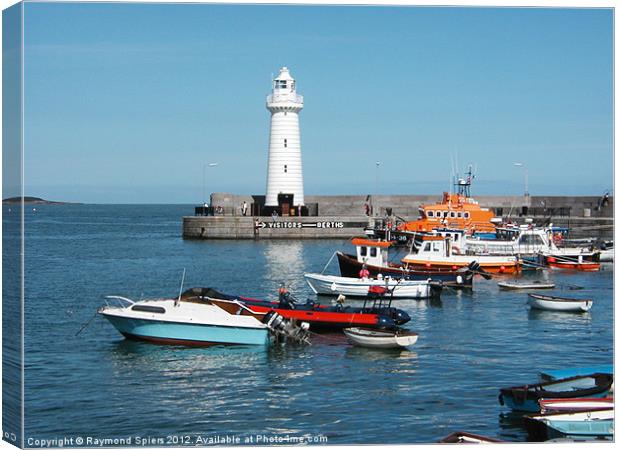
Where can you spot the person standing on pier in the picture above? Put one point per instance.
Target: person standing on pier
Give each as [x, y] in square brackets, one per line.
[244, 208]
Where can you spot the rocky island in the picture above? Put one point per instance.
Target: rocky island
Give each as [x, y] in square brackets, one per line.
[31, 201]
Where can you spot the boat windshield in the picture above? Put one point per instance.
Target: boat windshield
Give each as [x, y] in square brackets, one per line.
[201, 293]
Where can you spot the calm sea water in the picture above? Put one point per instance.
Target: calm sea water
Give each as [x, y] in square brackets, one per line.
[99, 385]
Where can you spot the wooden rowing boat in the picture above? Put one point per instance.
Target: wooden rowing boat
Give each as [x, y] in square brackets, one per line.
[557, 374]
[525, 285]
[366, 337]
[570, 405]
[550, 303]
[463, 437]
[525, 398]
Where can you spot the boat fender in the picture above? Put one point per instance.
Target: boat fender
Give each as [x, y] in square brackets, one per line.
[459, 279]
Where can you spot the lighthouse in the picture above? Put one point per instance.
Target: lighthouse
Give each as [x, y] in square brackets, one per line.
[284, 174]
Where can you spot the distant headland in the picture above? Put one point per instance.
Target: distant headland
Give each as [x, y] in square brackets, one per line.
[32, 201]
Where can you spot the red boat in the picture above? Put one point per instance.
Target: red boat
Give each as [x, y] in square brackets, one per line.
[585, 266]
[375, 313]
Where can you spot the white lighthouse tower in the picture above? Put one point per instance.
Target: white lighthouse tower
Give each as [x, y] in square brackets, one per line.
[284, 174]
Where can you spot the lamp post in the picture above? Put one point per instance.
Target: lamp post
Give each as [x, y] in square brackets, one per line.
[519, 164]
[377, 164]
[204, 177]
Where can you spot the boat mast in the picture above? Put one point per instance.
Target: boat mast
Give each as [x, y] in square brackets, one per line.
[463, 185]
[178, 300]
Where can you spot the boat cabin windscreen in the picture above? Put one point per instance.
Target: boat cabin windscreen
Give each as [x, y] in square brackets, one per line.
[201, 293]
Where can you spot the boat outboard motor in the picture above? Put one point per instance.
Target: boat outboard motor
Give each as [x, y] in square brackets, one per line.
[273, 320]
[474, 267]
[287, 329]
[437, 286]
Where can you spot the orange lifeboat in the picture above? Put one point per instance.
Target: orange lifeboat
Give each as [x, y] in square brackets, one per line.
[455, 211]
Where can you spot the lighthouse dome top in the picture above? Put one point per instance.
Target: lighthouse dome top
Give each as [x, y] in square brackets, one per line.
[284, 75]
[284, 95]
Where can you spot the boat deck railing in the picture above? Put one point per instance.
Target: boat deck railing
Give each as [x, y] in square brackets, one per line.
[117, 301]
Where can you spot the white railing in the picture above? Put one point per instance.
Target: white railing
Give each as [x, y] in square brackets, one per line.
[117, 301]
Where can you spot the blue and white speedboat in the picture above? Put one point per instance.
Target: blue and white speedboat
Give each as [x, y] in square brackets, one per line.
[193, 319]
[578, 425]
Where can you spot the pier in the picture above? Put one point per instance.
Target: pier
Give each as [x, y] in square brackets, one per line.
[342, 216]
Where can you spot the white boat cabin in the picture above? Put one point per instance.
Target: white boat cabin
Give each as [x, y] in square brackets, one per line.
[508, 241]
[371, 252]
[437, 245]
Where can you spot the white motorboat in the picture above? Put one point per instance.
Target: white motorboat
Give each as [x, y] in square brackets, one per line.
[372, 338]
[195, 319]
[607, 255]
[362, 287]
[607, 251]
[549, 303]
[439, 252]
[525, 285]
[523, 241]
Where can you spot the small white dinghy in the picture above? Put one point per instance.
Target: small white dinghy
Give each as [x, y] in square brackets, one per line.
[525, 285]
[372, 338]
[549, 303]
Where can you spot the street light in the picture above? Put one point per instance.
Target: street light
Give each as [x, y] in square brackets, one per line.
[519, 164]
[377, 164]
[204, 176]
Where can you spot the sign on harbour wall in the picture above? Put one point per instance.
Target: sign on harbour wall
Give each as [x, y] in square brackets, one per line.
[299, 225]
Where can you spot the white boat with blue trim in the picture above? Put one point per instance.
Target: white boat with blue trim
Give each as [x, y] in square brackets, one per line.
[363, 287]
[196, 320]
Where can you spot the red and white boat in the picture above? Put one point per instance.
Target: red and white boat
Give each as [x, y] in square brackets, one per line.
[559, 262]
[567, 405]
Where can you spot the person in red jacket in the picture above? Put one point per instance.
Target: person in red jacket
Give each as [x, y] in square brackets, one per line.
[364, 273]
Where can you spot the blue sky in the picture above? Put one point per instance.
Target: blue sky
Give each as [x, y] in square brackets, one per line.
[126, 103]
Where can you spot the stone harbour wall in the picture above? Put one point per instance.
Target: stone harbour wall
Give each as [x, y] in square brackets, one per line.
[342, 216]
[407, 206]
